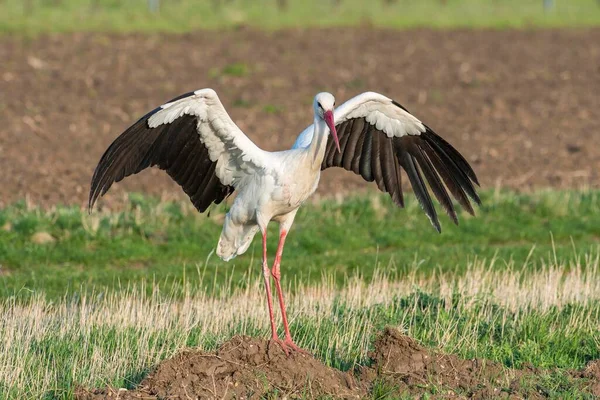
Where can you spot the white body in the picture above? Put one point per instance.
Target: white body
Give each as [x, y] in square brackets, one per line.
[276, 196]
[292, 177]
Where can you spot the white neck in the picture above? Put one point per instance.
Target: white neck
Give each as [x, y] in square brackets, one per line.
[317, 146]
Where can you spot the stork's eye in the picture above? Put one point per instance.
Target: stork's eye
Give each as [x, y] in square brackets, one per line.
[320, 106]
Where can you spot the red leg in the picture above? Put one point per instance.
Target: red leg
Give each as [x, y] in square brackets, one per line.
[267, 277]
[275, 272]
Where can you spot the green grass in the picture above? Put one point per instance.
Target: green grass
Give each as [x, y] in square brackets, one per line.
[517, 284]
[166, 242]
[42, 16]
[547, 319]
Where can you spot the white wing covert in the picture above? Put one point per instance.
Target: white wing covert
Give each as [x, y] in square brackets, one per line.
[193, 139]
[378, 137]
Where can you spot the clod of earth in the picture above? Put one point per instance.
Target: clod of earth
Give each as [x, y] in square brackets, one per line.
[250, 368]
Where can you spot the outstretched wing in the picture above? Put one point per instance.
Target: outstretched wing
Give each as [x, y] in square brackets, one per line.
[193, 139]
[378, 137]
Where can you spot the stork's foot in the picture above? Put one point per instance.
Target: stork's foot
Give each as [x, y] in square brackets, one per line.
[289, 346]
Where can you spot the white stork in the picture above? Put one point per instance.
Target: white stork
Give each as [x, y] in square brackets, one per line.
[193, 138]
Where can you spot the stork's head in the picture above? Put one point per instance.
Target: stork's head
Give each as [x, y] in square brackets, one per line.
[324, 105]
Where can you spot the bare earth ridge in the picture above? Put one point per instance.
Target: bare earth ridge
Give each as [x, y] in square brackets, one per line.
[521, 105]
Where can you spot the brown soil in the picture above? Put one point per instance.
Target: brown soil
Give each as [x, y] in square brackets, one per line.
[247, 368]
[521, 105]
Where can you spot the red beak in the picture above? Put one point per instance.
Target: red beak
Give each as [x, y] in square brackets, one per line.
[328, 116]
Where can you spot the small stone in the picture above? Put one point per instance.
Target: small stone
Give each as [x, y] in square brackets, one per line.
[42, 238]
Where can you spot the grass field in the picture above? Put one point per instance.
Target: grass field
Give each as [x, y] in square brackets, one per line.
[516, 284]
[546, 318]
[170, 242]
[40, 16]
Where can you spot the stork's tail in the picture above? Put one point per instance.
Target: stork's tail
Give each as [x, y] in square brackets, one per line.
[235, 239]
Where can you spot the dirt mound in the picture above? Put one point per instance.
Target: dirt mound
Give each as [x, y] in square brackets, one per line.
[403, 363]
[243, 367]
[248, 368]
[591, 373]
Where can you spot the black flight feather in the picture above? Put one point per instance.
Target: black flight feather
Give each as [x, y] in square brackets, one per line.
[175, 148]
[371, 153]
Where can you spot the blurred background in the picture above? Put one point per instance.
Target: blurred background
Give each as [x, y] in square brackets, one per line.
[186, 15]
[517, 102]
